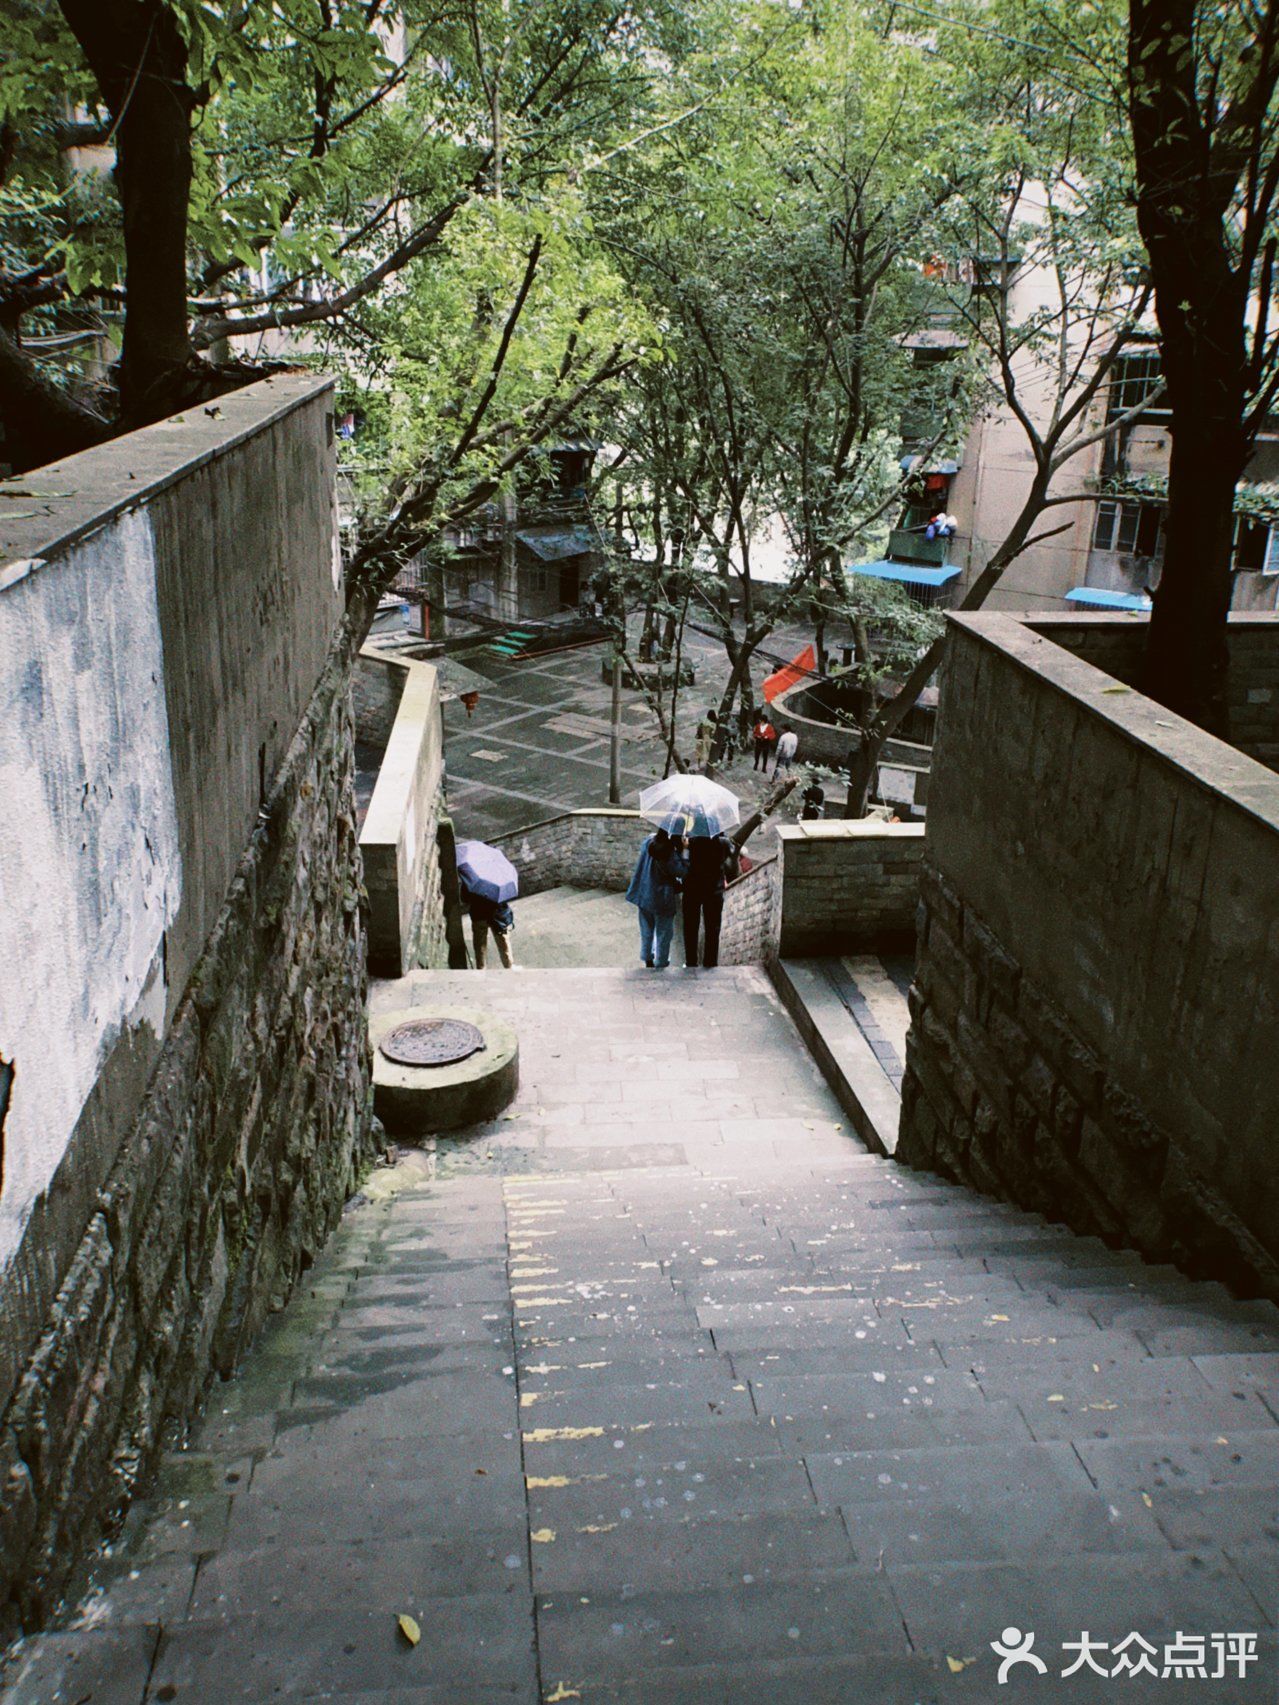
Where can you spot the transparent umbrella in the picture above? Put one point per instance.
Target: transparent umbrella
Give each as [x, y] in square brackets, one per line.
[690, 805]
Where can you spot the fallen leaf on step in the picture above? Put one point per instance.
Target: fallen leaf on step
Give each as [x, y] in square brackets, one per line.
[409, 1628]
[1116, 689]
[955, 1665]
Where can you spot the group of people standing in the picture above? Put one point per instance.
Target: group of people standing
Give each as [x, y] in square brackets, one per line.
[675, 875]
[764, 735]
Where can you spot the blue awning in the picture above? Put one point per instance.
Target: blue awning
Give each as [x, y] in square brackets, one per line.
[912, 573]
[1093, 597]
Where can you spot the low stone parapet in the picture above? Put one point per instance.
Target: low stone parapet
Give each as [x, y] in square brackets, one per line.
[591, 848]
[848, 883]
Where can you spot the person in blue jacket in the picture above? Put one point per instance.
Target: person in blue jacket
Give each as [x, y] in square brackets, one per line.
[655, 893]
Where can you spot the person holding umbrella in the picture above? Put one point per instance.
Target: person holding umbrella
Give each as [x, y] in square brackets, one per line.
[489, 882]
[654, 892]
[699, 811]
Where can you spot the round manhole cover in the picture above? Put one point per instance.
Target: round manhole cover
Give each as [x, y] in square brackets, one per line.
[432, 1042]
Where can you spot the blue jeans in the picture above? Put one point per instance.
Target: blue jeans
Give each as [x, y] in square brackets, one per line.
[655, 938]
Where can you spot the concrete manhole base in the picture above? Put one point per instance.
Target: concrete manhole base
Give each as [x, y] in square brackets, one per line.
[418, 1101]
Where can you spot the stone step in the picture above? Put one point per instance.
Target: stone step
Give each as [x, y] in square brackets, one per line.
[847, 1058]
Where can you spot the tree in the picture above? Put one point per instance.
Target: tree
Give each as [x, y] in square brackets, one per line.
[771, 240]
[1202, 98]
[279, 170]
[1047, 282]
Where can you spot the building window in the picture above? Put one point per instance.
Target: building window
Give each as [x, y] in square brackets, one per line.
[1133, 377]
[1256, 547]
[1131, 529]
[993, 275]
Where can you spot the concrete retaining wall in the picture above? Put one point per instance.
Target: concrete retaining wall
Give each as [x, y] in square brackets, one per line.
[836, 885]
[1097, 990]
[399, 838]
[848, 884]
[181, 951]
[1117, 645]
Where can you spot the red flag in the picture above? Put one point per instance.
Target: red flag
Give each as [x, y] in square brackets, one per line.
[790, 674]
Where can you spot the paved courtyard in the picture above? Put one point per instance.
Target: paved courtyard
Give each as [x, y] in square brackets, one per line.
[537, 743]
[660, 1389]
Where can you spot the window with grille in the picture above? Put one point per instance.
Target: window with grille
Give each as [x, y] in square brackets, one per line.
[1131, 529]
[1132, 379]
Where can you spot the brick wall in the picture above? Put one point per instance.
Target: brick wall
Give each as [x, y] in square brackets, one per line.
[836, 885]
[581, 849]
[846, 884]
[1097, 985]
[748, 933]
[1117, 646]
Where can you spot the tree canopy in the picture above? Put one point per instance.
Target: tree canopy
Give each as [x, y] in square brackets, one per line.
[763, 251]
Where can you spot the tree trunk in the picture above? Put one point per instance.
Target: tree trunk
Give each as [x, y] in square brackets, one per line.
[615, 735]
[136, 52]
[1187, 655]
[1186, 176]
[41, 422]
[863, 761]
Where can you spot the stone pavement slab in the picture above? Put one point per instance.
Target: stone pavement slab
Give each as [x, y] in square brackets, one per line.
[681, 1395]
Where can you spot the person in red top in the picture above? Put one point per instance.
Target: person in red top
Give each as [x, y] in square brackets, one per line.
[764, 734]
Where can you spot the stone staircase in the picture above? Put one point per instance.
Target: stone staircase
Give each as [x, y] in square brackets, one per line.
[575, 929]
[661, 1389]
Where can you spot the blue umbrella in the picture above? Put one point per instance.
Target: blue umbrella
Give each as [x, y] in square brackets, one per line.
[486, 871]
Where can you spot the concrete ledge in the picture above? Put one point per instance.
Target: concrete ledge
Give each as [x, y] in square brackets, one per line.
[1098, 978]
[845, 1057]
[398, 840]
[79, 494]
[418, 1101]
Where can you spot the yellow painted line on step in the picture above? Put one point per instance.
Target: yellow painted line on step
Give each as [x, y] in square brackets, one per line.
[550, 1435]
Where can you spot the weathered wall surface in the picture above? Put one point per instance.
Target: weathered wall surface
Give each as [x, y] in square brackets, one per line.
[847, 884]
[188, 1103]
[1097, 989]
[399, 838]
[583, 849]
[1117, 645]
[748, 930]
